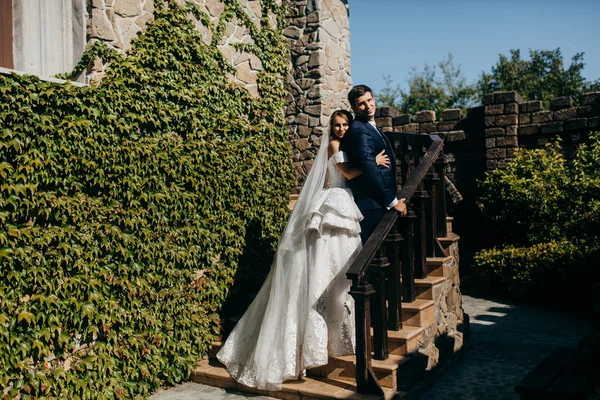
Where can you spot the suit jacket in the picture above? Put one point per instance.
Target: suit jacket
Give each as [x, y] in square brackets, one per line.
[376, 187]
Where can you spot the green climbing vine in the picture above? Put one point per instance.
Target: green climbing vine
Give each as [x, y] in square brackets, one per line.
[128, 210]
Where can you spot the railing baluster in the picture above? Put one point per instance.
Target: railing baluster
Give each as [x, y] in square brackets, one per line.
[420, 233]
[408, 274]
[395, 238]
[378, 270]
[440, 169]
[366, 382]
[393, 242]
[430, 207]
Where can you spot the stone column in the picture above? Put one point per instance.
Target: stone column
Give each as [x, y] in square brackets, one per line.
[501, 125]
[319, 81]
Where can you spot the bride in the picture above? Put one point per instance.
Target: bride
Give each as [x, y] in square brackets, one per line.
[303, 312]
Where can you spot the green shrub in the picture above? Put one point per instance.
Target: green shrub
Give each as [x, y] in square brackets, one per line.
[126, 208]
[545, 213]
[541, 272]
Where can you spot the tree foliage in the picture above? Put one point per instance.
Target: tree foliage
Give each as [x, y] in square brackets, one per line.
[127, 209]
[434, 88]
[442, 86]
[547, 213]
[542, 77]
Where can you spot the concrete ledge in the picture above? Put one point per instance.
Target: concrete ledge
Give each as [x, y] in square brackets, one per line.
[6, 71]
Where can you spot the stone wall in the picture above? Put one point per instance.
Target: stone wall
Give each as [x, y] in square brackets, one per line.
[493, 131]
[486, 138]
[319, 37]
[446, 335]
[116, 22]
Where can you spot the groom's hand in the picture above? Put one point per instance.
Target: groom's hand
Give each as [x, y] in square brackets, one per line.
[401, 207]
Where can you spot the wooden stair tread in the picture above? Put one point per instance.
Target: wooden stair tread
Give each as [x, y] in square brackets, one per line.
[430, 281]
[406, 333]
[452, 237]
[417, 305]
[323, 388]
[388, 365]
[437, 260]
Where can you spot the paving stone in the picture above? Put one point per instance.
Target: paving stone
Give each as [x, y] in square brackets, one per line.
[508, 341]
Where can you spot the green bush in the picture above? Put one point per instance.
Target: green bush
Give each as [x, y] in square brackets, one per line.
[126, 208]
[541, 271]
[545, 212]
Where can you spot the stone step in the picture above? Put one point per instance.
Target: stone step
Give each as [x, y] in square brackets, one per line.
[344, 368]
[308, 388]
[419, 313]
[405, 340]
[437, 266]
[428, 288]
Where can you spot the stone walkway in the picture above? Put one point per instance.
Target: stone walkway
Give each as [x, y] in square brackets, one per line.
[508, 340]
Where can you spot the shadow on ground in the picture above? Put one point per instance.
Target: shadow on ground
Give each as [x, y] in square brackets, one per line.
[508, 340]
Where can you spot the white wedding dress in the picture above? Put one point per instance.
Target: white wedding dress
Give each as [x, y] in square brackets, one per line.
[303, 312]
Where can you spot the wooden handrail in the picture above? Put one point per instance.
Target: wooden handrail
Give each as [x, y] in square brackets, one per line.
[360, 265]
[421, 172]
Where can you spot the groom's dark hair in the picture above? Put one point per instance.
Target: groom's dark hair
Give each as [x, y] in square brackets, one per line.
[356, 92]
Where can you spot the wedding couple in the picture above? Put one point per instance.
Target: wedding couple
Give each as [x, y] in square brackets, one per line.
[303, 312]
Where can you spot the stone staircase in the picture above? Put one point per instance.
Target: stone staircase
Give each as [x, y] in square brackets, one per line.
[336, 380]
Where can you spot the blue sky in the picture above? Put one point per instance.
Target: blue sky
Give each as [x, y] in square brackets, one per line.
[390, 36]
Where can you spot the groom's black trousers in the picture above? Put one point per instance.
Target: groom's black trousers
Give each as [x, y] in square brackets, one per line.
[370, 220]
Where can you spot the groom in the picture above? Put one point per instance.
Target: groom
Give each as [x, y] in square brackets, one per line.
[375, 190]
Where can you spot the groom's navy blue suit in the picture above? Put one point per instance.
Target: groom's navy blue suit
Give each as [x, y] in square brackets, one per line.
[375, 189]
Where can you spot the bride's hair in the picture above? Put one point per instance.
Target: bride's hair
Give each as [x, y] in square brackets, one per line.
[342, 113]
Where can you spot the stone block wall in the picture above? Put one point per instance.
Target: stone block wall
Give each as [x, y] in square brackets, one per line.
[117, 22]
[463, 134]
[319, 37]
[487, 137]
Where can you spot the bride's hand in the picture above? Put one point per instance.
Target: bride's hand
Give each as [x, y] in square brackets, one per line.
[383, 159]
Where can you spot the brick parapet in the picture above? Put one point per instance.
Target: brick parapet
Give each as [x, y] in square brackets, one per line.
[537, 125]
[487, 136]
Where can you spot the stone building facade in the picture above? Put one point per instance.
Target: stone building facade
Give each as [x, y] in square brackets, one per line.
[319, 37]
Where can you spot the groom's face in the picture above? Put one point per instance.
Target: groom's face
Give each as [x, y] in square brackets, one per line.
[364, 106]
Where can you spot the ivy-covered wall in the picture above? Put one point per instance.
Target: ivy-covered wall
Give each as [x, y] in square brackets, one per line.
[318, 36]
[129, 209]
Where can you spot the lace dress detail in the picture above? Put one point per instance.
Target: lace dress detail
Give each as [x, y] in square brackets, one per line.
[275, 342]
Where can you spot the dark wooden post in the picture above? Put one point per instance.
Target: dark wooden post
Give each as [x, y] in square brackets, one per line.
[393, 243]
[430, 212]
[408, 274]
[378, 270]
[420, 233]
[366, 382]
[440, 170]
